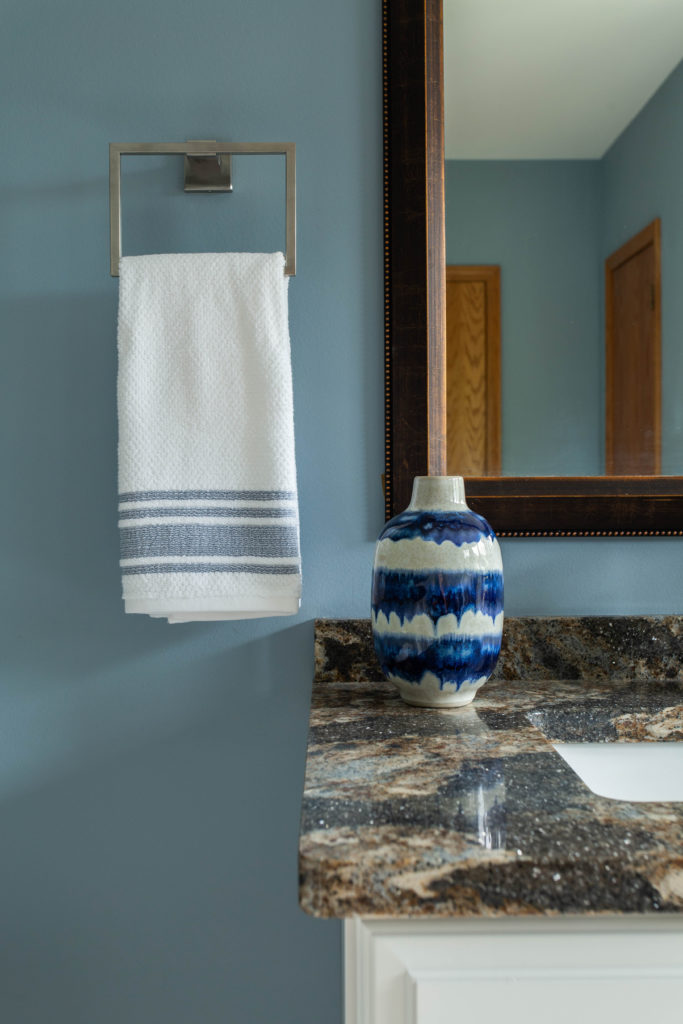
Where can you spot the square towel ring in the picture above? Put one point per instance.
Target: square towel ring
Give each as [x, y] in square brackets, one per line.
[202, 178]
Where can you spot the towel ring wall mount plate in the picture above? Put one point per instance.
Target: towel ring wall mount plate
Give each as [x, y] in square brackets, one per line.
[207, 172]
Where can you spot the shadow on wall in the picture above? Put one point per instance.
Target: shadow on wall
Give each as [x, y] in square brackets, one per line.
[59, 517]
[218, 680]
[59, 530]
[82, 681]
[149, 855]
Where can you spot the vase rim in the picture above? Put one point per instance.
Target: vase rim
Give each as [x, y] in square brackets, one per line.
[438, 493]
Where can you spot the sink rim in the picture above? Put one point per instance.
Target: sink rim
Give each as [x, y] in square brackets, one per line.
[639, 776]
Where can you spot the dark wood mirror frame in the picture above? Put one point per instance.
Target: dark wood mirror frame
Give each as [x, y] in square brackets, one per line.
[414, 280]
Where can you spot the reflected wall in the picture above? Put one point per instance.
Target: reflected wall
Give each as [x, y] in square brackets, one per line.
[550, 224]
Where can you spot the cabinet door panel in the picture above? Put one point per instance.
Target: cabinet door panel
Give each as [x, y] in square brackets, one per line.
[563, 997]
[520, 971]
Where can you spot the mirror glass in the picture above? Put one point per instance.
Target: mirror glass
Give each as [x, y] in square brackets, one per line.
[564, 236]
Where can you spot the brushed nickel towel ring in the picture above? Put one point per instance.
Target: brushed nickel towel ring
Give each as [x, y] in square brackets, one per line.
[205, 171]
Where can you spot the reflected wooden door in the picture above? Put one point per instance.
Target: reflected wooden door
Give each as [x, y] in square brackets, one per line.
[473, 371]
[633, 356]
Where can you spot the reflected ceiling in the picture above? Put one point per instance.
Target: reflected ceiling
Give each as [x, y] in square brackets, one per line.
[552, 79]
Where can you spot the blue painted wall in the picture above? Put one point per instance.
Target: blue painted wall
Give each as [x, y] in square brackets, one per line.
[550, 225]
[150, 776]
[539, 220]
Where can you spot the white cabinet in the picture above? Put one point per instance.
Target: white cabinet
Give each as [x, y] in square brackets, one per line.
[626, 970]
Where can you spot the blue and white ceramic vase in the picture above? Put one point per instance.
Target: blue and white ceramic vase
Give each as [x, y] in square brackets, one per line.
[437, 596]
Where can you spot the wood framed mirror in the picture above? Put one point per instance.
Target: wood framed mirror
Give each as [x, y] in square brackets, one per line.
[415, 314]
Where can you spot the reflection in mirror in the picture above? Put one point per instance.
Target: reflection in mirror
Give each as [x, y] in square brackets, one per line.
[564, 157]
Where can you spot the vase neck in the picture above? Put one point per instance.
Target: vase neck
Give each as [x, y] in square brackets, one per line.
[439, 493]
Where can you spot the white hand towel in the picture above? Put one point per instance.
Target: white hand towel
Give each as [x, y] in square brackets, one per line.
[208, 510]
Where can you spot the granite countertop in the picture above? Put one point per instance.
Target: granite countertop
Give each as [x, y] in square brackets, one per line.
[471, 812]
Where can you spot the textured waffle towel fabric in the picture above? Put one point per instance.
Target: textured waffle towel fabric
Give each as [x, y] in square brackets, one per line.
[208, 510]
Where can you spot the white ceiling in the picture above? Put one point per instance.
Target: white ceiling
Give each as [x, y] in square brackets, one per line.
[552, 79]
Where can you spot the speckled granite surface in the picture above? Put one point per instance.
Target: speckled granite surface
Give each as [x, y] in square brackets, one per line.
[590, 647]
[422, 812]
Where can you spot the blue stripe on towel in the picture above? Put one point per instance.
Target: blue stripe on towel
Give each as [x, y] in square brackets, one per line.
[250, 567]
[206, 495]
[195, 539]
[207, 510]
[436, 593]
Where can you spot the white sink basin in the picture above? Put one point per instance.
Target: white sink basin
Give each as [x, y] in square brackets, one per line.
[628, 771]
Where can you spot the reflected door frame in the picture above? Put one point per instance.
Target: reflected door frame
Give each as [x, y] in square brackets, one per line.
[633, 351]
[473, 385]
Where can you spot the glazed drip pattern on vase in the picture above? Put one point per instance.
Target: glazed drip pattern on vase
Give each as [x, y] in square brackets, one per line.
[437, 597]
